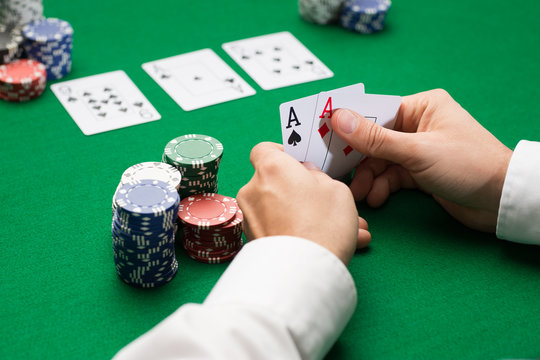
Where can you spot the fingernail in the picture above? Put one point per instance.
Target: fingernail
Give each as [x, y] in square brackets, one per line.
[347, 122]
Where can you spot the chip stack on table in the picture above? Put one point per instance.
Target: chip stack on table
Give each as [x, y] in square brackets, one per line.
[20, 12]
[50, 42]
[197, 157]
[22, 80]
[143, 233]
[11, 41]
[320, 11]
[364, 16]
[212, 227]
[150, 170]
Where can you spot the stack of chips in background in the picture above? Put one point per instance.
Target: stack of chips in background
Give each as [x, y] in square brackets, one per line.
[50, 42]
[362, 16]
[16, 13]
[22, 80]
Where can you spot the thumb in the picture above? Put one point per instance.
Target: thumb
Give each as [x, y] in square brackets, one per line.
[371, 139]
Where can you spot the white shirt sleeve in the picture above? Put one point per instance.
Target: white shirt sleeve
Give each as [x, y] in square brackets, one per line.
[519, 210]
[282, 297]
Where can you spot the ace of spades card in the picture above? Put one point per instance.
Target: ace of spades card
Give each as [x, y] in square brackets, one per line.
[104, 102]
[198, 79]
[326, 149]
[297, 118]
[277, 60]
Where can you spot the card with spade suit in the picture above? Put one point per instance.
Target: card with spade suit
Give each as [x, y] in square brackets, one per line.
[277, 60]
[325, 148]
[104, 102]
[198, 79]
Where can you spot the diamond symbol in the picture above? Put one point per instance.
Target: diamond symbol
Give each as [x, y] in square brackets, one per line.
[347, 150]
[323, 130]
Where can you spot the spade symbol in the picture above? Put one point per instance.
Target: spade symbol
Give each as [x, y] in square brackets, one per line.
[112, 96]
[295, 138]
[103, 114]
[165, 76]
[72, 99]
[296, 67]
[91, 101]
[97, 107]
[309, 62]
[277, 48]
[105, 101]
[231, 80]
[86, 93]
[197, 78]
[277, 71]
[118, 102]
[245, 57]
[107, 89]
[258, 52]
[123, 109]
[139, 104]
[276, 59]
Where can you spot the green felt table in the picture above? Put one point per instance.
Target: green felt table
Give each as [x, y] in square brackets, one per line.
[428, 287]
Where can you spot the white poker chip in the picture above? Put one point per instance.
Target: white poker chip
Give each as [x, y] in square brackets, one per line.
[152, 171]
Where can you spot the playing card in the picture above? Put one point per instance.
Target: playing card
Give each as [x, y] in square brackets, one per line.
[326, 149]
[198, 79]
[277, 60]
[296, 118]
[104, 102]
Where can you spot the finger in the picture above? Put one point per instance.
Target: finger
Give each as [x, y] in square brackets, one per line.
[389, 181]
[266, 150]
[311, 166]
[362, 223]
[371, 139]
[364, 176]
[364, 238]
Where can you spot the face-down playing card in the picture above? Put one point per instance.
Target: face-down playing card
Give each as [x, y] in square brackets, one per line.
[277, 60]
[326, 149]
[104, 102]
[198, 79]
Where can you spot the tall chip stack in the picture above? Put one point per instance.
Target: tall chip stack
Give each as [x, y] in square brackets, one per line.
[197, 157]
[50, 42]
[11, 44]
[320, 11]
[17, 13]
[211, 227]
[143, 233]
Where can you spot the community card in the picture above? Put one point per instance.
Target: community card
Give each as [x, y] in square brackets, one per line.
[198, 79]
[277, 60]
[296, 118]
[104, 102]
[326, 149]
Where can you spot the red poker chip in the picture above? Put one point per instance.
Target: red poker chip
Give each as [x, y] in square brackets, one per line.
[196, 245]
[213, 259]
[207, 210]
[22, 71]
[209, 254]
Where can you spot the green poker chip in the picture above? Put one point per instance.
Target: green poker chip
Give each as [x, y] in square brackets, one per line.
[194, 151]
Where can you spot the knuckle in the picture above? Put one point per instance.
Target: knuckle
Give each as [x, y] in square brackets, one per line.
[375, 139]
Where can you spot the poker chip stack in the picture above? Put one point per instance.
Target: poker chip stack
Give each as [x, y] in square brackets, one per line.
[22, 80]
[20, 12]
[197, 157]
[11, 41]
[364, 16]
[50, 42]
[143, 233]
[320, 11]
[212, 227]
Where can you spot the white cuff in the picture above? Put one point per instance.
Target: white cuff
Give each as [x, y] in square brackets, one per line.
[519, 210]
[301, 282]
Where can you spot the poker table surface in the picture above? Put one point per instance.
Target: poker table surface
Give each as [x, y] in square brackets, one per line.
[428, 287]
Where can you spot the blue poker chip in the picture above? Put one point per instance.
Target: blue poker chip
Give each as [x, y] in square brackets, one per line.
[364, 16]
[47, 30]
[146, 197]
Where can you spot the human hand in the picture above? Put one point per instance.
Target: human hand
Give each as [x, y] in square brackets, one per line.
[436, 146]
[285, 197]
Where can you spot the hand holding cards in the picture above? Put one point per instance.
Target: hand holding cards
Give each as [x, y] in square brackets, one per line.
[307, 131]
